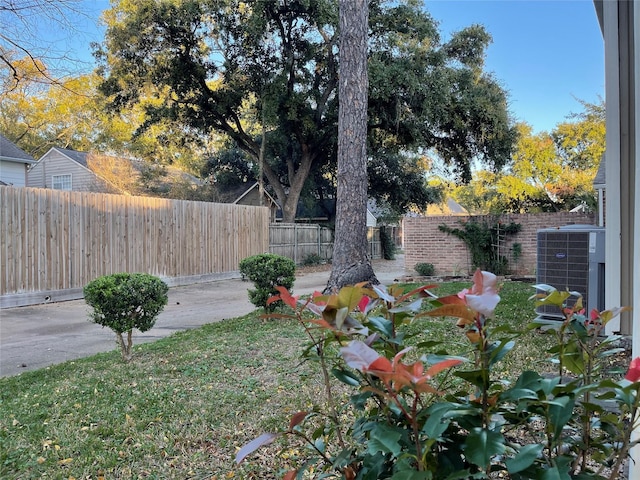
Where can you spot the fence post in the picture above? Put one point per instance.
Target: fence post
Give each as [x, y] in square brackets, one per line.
[295, 243]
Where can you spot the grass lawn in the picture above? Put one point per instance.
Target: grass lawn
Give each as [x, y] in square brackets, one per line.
[186, 403]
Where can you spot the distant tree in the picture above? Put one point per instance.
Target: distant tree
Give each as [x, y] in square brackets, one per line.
[229, 66]
[397, 181]
[581, 141]
[71, 114]
[351, 261]
[548, 172]
[22, 28]
[66, 114]
[118, 172]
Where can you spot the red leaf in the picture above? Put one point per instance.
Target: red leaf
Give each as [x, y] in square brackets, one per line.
[296, 419]
[451, 300]
[419, 290]
[286, 297]
[253, 445]
[291, 474]
[362, 305]
[380, 365]
[459, 311]
[440, 366]
[633, 374]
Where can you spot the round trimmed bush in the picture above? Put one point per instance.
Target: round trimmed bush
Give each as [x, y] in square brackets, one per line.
[267, 271]
[124, 301]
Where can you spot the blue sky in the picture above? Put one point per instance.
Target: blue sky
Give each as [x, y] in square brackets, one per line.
[546, 53]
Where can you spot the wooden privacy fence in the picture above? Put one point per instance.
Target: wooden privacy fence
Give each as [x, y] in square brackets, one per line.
[299, 241]
[53, 242]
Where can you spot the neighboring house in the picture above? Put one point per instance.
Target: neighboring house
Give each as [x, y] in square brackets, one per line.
[13, 163]
[322, 211]
[447, 207]
[64, 169]
[251, 196]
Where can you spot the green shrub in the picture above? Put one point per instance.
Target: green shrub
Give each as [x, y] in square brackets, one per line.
[418, 411]
[267, 271]
[312, 259]
[425, 269]
[387, 244]
[124, 301]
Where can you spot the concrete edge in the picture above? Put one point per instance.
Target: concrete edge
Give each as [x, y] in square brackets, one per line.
[25, 299]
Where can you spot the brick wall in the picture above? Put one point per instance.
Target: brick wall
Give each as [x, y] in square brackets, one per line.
[424, 242]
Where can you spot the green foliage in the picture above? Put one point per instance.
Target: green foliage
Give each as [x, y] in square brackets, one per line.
[387, 243]
[124, 301]
[516, 253]
[312, 259]
[416, 411]
[425, 269]
[280, 72]
[482, 240]
[549, 171]
[267, 271]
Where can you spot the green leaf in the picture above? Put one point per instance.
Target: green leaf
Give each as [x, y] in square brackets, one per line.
[560, 411]
[482, 445]
[319, 444]
[500, 350]
[349, 297]
[381, 325]
[437, 422]
[359, 400]
[554, 473]
[346, 377]
[414, 306]
[478, 378]
[433, 358]
[555, 298]
[518, 394]
[573, 359]
[524, 458]
[411, 475]
[384, 439]
[341, 316]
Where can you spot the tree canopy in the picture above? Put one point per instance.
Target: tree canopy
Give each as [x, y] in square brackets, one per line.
[23, 26]
[229, 66]
[548, 171]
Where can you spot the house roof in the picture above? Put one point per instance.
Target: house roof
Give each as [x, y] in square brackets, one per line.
[78, 157]
[447, 207]
[10, 152]
[252, 187]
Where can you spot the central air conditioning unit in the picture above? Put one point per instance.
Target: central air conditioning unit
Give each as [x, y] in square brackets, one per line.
[572, 258]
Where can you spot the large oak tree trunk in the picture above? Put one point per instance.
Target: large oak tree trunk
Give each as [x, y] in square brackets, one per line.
[351, 260]
[289, 198]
